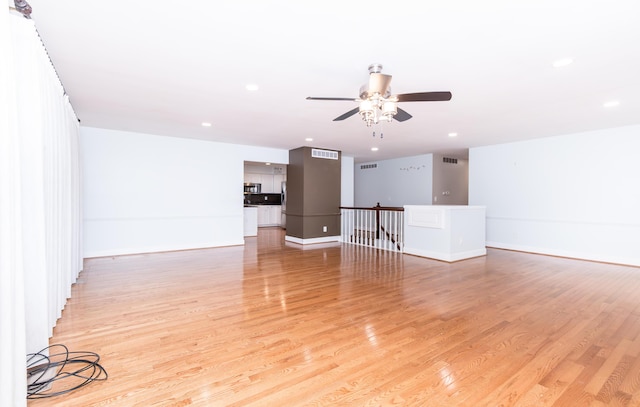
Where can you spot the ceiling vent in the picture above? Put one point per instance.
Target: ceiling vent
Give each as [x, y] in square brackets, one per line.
[449, 160]
[326, 154]
[368, 166]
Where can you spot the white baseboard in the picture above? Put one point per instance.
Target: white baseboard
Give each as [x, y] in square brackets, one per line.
[142, 250]
[314, 240]
[564, 253]
[448, 257]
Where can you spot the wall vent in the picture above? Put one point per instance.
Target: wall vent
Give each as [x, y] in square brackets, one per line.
[449, 160]
[326, 154]
[368, 166]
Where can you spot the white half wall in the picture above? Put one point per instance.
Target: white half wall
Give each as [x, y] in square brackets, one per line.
[444, 232]
[575, 195]
[147, 193]
[395, 182]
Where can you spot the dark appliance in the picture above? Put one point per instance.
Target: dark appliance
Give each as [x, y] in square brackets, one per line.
[283, 202]
[252, 188]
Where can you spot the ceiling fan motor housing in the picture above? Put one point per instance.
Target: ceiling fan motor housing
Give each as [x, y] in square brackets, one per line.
[375, 68]
[365, 94]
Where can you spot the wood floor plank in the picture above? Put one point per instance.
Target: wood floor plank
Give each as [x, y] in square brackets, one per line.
[631, 381]
[611, 364]
[275, 324]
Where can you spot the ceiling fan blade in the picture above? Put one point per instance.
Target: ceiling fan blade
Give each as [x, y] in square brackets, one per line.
[322, 98]
[402, 116]
[378, 83]
[424, 97]
[348, 114]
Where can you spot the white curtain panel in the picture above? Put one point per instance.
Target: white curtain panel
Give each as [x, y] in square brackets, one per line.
[12, 315]
[40, 208]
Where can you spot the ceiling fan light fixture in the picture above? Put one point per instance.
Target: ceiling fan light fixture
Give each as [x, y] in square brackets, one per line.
[367, 111]
[389, 109]
[376, 103]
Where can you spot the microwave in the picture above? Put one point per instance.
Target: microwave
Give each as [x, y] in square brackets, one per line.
[252, 188]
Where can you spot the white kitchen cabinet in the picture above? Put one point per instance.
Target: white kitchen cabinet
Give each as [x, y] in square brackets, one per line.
[274, 214]
[252, 178]
[277, 182]
[271, 183]
[265, 180]
[269, 215]
[267, 183]
[263, 215]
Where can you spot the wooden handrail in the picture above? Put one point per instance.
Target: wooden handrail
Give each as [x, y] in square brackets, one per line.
[390, 237]
[376, 208]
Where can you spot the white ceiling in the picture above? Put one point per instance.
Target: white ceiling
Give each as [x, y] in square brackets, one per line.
[164, 67]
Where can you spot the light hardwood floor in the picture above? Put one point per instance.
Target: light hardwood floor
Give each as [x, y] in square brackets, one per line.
[272, 324]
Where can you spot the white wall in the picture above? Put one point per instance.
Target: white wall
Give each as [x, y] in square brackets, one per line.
[575, 195]
[147, 193]
[396, 182]
[346, 181]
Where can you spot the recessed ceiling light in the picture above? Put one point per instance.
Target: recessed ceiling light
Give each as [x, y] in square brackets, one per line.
[206, 124]
[308, 139]
[267, 163]
[611, 103]
[252, 87]
[562, 62]
[374, 148]
[453, 134]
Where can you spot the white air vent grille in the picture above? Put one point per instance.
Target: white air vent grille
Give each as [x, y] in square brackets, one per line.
[449, 160]
[326, 154]
[368, 166]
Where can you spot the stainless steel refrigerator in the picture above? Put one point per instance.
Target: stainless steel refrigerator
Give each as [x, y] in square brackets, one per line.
[283, 199]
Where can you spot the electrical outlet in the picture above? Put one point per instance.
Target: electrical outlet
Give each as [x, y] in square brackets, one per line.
[324, 229]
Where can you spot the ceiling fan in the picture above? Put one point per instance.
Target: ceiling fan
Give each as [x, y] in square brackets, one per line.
[376, 102]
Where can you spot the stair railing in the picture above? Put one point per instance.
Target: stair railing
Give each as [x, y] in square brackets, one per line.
[380, 227]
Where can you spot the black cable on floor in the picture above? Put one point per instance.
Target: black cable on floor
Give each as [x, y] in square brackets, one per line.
[67, 370]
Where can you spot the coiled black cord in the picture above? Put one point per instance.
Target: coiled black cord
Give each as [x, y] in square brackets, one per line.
[76, 369]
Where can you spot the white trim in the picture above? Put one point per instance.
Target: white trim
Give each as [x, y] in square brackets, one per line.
[564, 253]
[315, 240]
[448, 257]
[158, 249]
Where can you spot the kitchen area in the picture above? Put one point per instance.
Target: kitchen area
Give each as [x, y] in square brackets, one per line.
[264, 194]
